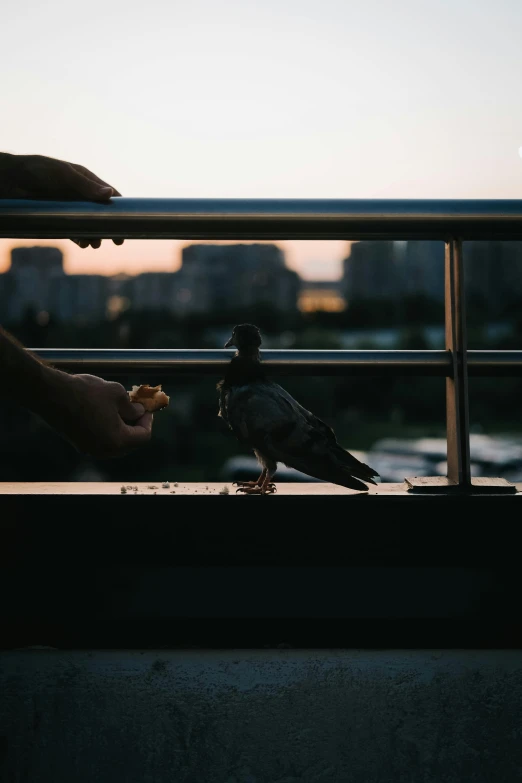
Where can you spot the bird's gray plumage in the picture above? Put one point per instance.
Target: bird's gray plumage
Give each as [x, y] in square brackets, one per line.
[265, 417]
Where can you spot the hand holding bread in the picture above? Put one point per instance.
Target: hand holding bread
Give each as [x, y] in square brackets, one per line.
[151, 397]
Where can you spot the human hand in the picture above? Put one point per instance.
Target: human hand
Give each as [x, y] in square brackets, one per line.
[95, 415]
[41, 177]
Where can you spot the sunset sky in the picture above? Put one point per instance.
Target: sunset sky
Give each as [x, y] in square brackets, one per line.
[284, 98]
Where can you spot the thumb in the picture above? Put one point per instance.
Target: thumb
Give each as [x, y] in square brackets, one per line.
[138, 434]
[130, 411]
[88, 188]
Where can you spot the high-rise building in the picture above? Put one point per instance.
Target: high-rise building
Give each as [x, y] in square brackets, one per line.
[420, 268]
[37, 282]
[219, 277]
[240, 275]
[29, 280]
[381, 269]
[369, 271]
[153, 291]
[493, 274]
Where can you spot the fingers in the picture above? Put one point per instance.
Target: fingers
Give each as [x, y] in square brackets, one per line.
[94, 243]
[137, 423]
[139, 433]
[86, 183]
[83, 243]
[143, 425]
[133, 413]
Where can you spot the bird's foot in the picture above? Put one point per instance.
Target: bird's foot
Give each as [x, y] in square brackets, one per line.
[251, 488]
[245, 484]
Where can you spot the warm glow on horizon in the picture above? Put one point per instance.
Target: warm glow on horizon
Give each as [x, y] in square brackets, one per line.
[327, 301]
[313, 260]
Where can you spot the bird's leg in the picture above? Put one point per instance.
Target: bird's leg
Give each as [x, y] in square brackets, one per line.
[268, 486]
[263, 486]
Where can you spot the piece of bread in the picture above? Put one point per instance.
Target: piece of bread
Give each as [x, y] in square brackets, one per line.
[151, 397]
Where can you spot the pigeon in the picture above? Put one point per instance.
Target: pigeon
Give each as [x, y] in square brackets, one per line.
[266, 418]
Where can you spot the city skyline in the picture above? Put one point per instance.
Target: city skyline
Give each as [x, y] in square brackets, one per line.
[312, 259]
[219, 277]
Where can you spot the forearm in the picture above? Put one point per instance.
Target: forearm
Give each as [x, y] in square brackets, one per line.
[37, 383]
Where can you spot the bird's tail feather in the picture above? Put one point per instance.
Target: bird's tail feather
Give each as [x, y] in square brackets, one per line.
[340, 474]
[346, 480]
[365, 473]
[355, 467]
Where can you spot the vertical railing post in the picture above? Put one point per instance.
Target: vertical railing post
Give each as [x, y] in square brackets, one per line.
[457, 409]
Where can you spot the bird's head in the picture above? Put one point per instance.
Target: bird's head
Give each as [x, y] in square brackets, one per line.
[245, 337]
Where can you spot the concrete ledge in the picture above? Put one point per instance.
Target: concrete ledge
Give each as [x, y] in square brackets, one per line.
[284, 716]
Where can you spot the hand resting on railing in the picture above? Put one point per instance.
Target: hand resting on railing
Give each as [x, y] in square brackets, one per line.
[42, 178]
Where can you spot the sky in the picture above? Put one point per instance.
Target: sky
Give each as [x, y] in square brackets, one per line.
[279, 99]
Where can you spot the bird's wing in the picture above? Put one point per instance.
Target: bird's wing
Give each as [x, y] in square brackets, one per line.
[253, 411]
[268, 418]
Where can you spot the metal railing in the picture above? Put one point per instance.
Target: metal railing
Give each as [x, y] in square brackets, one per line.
[172, 361]
[451, 221]
[159, 218]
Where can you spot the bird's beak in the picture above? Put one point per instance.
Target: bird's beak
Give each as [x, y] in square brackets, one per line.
[230, 343]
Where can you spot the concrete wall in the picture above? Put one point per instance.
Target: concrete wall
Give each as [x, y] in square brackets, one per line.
[266, 716]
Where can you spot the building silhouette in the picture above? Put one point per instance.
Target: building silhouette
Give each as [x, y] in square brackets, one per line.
[219, 277]
[37, 282]
[28, 284]
[211, 277]
[493, 274]
[228, 277]
[381, 269]
[394, 270]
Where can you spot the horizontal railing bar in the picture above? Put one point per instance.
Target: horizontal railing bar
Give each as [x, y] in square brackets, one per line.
[494, 363]
[112, 361]
[161, 218]
[277, 362]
